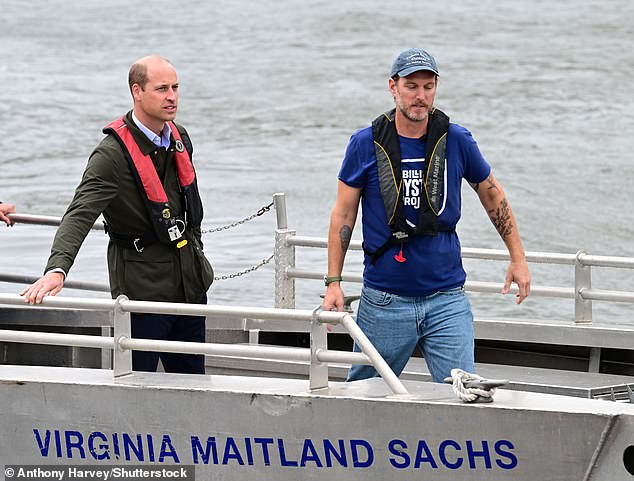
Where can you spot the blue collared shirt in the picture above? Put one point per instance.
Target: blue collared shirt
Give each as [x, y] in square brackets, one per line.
[160, 141]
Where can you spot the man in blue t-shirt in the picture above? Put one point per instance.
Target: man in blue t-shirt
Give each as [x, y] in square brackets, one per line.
[406, 171]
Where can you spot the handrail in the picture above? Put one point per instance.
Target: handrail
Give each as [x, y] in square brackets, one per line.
[474, 286]
[495, 254]
[582, 292]
[493, 287]
[286, 271]
[68, 284]
[45, 220]
[121, 342]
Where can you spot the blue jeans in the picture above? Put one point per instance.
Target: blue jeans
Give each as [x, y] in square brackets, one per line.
[440, 324]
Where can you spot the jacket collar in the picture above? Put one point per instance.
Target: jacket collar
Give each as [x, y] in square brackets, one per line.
[145, 144]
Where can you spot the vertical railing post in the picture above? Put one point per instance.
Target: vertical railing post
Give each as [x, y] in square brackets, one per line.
[284, 256]
[381, 366]
[122, 358]
[318, 372]
[106, 354]
[583, 280]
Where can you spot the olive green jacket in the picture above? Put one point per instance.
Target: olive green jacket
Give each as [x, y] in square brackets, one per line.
[160, 272]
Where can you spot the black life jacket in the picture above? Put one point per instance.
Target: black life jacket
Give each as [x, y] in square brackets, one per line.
[388, 156]
[168, 225]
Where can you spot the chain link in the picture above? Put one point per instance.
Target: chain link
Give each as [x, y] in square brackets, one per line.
[262, 210]
[246, 271]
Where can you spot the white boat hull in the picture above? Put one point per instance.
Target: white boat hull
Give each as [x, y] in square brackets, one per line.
[239, 428]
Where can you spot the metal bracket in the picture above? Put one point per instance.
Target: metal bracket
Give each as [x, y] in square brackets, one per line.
[583, 280]
[122, 359]
[318, 371]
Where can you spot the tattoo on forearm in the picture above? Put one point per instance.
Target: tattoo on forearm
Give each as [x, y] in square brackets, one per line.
[501, 218]
[345, 234]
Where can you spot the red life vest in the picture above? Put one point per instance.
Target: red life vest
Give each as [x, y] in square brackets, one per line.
[168, 226]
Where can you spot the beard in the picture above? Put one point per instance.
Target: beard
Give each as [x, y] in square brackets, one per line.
[408, 113]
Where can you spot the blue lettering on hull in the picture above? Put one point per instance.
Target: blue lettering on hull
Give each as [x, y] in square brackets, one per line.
[400, 454]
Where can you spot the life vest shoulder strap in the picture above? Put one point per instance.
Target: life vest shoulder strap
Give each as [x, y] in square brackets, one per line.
[388, 155]
[142, 163]
[182, 155]
[436, 147]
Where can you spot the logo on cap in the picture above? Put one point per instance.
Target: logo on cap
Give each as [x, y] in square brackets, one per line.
[420, 58]
[413, 60]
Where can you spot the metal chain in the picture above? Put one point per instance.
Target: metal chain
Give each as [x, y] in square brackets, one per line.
[262, 210]
[239, 222]
[246, 271]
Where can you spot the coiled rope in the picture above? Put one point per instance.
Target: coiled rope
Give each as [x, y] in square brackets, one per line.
[470, 387]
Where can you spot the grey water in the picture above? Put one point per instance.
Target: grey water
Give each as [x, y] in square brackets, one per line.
[271, 91]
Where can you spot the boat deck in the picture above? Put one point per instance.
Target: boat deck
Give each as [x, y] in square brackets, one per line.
[521, 378]
[372, 389]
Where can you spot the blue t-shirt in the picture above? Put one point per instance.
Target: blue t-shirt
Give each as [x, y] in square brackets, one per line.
[433, 262]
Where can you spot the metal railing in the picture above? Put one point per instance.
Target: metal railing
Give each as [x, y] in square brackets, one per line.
[286, 272]
[122, 343]
[286, 242]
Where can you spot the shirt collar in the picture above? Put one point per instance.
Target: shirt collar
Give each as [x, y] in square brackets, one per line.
[160, 141]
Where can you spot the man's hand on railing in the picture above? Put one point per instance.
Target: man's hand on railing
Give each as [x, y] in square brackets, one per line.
[48, 285]
[5, 210]
[333, 300]
[518, 272]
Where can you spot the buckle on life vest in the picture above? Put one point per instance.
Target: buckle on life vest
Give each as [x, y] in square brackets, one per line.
[138, 243]
[135, 243]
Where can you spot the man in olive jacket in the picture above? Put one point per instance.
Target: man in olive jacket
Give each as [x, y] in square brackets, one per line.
[150, 257]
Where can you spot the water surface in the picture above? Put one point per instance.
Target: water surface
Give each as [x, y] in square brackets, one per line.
[271, 91]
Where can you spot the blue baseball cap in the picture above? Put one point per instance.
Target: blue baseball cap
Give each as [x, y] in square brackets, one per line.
[413, 60]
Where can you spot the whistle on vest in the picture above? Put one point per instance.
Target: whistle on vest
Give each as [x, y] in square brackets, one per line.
[402, 237]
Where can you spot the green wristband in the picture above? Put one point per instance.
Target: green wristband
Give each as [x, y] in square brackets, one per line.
[330, 280]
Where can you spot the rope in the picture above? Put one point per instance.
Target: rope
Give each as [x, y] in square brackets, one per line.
[469, 394]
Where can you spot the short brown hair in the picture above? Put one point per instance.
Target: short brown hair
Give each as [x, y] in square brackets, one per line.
[138, 75]
[138, 70]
